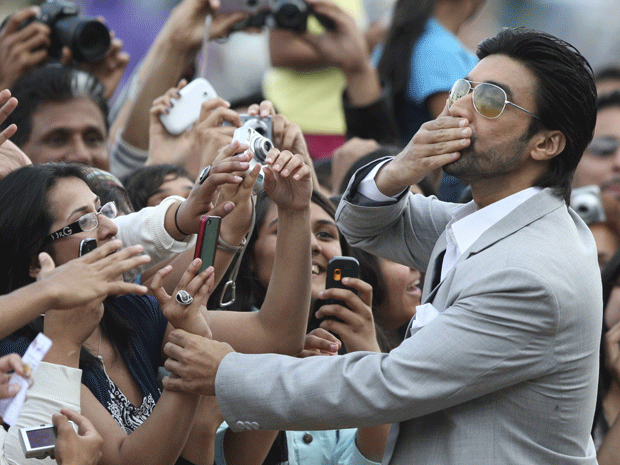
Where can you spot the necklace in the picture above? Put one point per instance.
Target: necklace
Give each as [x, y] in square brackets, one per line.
[99, 357]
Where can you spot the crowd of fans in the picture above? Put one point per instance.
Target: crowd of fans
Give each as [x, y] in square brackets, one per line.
[339, 96]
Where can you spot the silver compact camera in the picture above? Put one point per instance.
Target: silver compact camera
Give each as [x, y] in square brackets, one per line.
[40, 441]
[260, 147]
[262, 125]
[586, 201]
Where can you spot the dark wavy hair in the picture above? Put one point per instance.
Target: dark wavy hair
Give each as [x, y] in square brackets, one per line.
[25, 222]
[565, 95]
[144, 182]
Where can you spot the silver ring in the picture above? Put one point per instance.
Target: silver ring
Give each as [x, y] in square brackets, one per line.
[184, 298]
[203, 176]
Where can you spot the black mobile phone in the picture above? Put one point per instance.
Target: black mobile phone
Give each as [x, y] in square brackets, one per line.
[87, 245]
[338, 268]
[206, 244]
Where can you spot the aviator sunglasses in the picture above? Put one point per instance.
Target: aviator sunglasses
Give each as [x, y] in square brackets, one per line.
[86, 222]
[489, 99]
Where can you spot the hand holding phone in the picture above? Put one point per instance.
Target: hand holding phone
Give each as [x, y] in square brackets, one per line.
[338, 268]
[207, 240]
[186, 109]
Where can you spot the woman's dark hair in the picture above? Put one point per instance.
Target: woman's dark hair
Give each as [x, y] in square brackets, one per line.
[144, 182]
[25, 222]
[409, 19]
[51, 84]
[565, 95]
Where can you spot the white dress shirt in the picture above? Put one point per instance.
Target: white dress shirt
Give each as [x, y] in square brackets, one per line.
[468, 222]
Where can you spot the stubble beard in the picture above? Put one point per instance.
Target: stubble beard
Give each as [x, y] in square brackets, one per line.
[496, 161]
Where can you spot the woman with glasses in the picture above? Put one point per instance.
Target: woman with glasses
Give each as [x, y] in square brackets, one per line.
[118, 342]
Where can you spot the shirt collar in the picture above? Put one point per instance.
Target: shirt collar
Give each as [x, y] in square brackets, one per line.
[469, 223]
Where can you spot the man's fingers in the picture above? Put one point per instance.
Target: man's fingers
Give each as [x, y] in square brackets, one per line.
[173, 384]
[178, 337]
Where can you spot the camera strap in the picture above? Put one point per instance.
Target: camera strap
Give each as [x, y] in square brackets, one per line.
[231, 283]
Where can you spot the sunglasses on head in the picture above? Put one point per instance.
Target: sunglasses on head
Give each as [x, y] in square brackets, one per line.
[489, 99]
[603, 146]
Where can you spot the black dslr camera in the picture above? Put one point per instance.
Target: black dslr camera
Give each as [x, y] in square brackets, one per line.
[88, 39]
[280, 14]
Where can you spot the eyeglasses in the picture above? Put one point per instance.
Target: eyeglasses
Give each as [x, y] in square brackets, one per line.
[86, 222]
[489, 99]
[603, 146]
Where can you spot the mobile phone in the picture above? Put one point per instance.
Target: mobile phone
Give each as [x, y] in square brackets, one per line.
[207, 240]
[39, 441]
[338, 268]
[186, 109]
[87, 245]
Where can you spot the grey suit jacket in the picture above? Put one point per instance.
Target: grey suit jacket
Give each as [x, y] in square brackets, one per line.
[505, 374]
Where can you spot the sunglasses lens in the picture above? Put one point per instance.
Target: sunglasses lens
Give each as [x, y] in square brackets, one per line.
[603, 146]
[459, 89]
[489, 100]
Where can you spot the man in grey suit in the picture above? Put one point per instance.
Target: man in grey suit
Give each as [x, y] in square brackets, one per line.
[500, 364]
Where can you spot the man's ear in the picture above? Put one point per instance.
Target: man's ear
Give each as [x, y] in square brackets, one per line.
[548, 144]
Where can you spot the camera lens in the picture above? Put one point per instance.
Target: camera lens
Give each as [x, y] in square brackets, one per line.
[290, 16]
[88, 39]
[262, 147]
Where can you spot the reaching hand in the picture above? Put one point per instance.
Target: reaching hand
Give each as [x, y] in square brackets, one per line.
[163, 146]
[81, 448]
[353, 323]
[93, 277]
[208, 136]
[320, 342]
[199, 287]
[194, 361]
[204, 196]
[288, 180]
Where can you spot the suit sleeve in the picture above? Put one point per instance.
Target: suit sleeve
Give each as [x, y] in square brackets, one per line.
[500, 332]
[404, 231]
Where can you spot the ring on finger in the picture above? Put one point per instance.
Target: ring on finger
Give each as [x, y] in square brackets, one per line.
[183, 297]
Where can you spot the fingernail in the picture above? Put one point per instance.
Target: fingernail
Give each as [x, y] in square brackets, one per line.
[464, 141]
[285, 172]
[333, 348]
[27, 370]
[196, 262]
[227, 103]
[238, 178]
[14, 389]
[463, 123]
[465, 132]
[321, 294]
[229, 207]
[264, 113]
[268, 160]
[276, 167]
